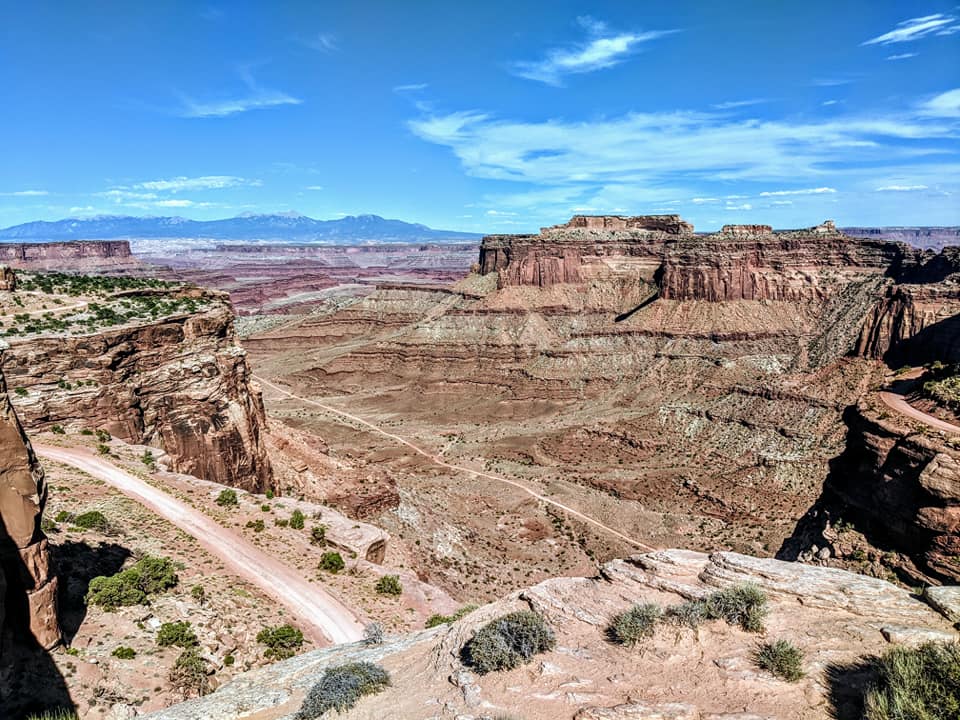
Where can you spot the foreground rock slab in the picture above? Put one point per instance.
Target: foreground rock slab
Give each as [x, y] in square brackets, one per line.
[834, 616]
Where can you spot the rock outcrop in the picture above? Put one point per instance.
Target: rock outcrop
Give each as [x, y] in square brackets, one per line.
[28, 590]
[8, 278]
[900, 484]
[98, 256]
[835, 617]
[181, 383]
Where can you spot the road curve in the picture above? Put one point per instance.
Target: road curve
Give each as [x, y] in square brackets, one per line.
[899, 404]
[322, 616]
[442, 463]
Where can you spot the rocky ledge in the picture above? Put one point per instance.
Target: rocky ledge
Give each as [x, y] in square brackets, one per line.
[835, 617]
[99, 256]
[180, 383]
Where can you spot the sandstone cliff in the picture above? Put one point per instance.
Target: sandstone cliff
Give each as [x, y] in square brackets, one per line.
[835, 617]
[28, 590]
[180, 383]
[99, 256]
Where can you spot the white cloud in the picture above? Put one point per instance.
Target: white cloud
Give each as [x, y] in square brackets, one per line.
[412, 87]
[603, 49]
[704, 200]
[500, 213]
[901, 188]
[314, 187]
[782, 202]
[256, 98]
[827, 103]
[945, 105]
[913, 29]
[178, 203]
[324, 42]
[732, 104]
[805, 191]
[744, 206]
[206, 182]
[26, 193]
[902, 56]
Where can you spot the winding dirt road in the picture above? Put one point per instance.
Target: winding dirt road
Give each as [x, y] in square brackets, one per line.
[437, 460]
[322, 616]
[899, 404]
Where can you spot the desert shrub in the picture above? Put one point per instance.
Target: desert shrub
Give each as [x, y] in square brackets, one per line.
[332, 562]
[389, 585]
[296, 520]
[103, 436]
[227, 498]
[103, 448]
[281, 522]
[180, 634]
[86, 431]
[633, 625]
[148, 459]
[256, 525]
[63, 516]
[92, 520]
[229, 660]
[373, 634]
[21, 391]
[781, 658]
[189, 673]
[508, 642]
[133, 586]
[198, 593]
[921, 683]
[318, 535]
[687, 615]
[270, 494]
[264, 508]
[438, 619]
[55, 715]
[124, 653]
[744, 605]
[341, 687]
[281, 641]
[58, 430]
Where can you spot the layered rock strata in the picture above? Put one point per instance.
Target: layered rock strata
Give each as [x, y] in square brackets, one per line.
[28, 590]
[181, 383]
[98, 256]
[835, 617]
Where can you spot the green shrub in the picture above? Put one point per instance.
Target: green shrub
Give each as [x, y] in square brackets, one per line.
[57, 429]
[687, 615]
[318, 535]
[281, 522]
[124, 653]
[180, 634]
[189, 673]
[389, 585]
[438, 619]
[921, 683]
[63, 516]
[256, 525]
[227, 498]
[781, 658]
[229, 660]
[103, 448]
[198, 593]
[264, 508]
[21, 391]
[148, 459]
[133, 586]
[92, 520]
[270, 494]
[55, 715]
[744, 605]
[296, 520]
[633, 625]
[281, 641]
[332, 562]
[103, 436]
[508, 642]
[341, 687]
[86, 431]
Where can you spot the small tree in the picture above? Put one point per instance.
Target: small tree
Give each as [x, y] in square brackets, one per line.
[227, 498]
[148, 459]
[282, 641]
[189, 673]
[389, 585]
[332, 561]
[296, 520]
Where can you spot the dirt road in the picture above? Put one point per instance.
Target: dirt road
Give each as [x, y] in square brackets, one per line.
[320, 615]
[899, 404]
[437, 460]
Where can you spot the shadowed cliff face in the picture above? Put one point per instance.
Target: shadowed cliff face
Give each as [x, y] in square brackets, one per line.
[180, 383]
[28, 589]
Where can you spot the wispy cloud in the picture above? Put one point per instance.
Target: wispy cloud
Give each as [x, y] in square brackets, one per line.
[206, 182]
[412, 87]
[901, 188]
[25, 193]
[902, 56]
[180, 203]
[804, 191]
[602, 49]
[914, 29]
[314, 187]
[255, 98]
[944, 105]
[732, 104]
[324, 42]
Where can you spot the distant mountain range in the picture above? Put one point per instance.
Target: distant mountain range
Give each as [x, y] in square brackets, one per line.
[284, 227]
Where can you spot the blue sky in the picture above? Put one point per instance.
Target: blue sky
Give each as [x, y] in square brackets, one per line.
[494, 116]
